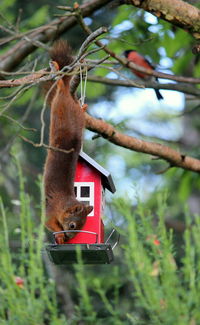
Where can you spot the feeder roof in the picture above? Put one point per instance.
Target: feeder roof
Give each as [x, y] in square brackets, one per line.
[106, 177]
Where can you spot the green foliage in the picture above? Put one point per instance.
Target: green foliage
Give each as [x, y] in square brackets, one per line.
[39, 17]
[34, 302]
[168, 293]
[85, 308]
[6, 4]
[160, 288]
[97, 89]
[123, 13]
[184, 188]
[154, 279]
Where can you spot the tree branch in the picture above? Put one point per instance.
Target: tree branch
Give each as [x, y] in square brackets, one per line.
[39, 145]
[81, 55]
[43, 75]
[175, 158]
[126, 63]
[32, 78]
[57, 27]
[148, 84]
[176, 12]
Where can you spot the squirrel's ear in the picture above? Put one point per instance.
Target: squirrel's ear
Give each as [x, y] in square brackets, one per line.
[89, 209]
[75, 209]
[78, 209]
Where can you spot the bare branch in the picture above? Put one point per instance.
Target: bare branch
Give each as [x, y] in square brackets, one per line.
[30, 79]
[191, 90]
[89, 40]
[38, 145]
[19, 51]
[18, 93]
[43, 75]
[22, 120]
[175, 158]
[81, 55]
[76, 79]
[124, 62]
[18, 123]
[176, 12]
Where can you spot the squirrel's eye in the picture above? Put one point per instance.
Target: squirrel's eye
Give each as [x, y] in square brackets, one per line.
[72, 225]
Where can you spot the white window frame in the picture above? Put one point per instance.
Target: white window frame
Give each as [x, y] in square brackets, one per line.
[90, 199]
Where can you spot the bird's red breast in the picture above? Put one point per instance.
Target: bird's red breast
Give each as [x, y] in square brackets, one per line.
[138, 59]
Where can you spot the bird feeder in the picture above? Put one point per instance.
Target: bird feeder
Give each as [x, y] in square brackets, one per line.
[91, 181]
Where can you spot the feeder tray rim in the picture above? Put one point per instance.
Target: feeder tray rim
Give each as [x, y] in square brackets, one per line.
[89, 232]
[75, 231]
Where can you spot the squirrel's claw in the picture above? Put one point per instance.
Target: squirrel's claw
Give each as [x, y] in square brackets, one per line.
[84, 107]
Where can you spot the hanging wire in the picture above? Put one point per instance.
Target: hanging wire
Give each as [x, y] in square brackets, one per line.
[81, 82]
[83, 86]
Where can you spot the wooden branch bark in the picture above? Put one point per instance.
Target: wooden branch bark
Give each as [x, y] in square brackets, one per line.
[42, 75]
[157, 74]
[175, 158]
[57, 27]
[185, 88]
[176, 12]
[32, 78]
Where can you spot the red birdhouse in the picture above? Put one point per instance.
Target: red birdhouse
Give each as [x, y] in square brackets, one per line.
[91, 181]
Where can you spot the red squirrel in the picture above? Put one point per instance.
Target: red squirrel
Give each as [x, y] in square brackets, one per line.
[67, 121]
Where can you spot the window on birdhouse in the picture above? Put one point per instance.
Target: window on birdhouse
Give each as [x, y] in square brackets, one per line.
[84, 192]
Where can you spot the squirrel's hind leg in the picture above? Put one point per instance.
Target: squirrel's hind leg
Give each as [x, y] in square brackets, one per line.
[55, 67]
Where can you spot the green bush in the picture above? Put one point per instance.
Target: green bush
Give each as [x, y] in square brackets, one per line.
[32, 302]
[145, 284]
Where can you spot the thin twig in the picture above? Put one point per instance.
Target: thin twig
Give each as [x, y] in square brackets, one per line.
[22, 120]
[187, 89]
[76, 79]
[18, 21]
[18, 123]
[92, 52]
[38, 145]
[65, 8]
[36, 43]
[89, 40]
[81, 55]
[124, 62]
[42, 114]
[22, 90]
[130, 81]
[163, 171]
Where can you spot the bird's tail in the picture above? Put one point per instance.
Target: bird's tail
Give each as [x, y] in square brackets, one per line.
[158, 94]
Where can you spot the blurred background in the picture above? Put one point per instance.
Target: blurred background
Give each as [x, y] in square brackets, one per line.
[138, 177]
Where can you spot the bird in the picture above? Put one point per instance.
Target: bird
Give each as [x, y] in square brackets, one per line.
[135, 57]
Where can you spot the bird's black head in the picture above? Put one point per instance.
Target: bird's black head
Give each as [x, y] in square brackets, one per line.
[126, 53]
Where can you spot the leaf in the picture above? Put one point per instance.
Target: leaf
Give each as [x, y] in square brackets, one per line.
[6, 4]
[185, 187]
[123, 13]
[39, 17]
[95, 90]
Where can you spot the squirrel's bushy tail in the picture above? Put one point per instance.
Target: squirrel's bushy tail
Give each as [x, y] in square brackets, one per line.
[61, 53]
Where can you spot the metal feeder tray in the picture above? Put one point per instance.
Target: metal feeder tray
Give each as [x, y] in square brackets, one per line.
[90, 253]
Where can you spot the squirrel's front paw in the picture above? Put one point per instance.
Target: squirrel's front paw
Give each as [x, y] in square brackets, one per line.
[60, 239]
